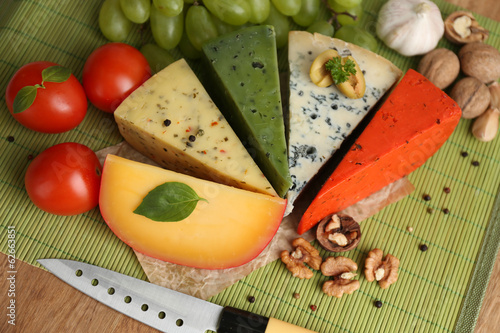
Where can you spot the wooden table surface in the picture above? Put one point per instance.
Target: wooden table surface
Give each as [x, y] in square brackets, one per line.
[45, 304]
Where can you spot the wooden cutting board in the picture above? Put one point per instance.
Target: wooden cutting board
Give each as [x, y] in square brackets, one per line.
[43, 303]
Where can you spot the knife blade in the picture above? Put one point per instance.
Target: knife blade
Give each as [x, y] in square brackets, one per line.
[161, 308]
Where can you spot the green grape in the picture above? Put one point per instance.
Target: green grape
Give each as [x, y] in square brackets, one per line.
[189, 2]
[235, 12]
[200, 27]
[287, 7]
[187, 49]
[281, 26]
[308, 12]
[357, 36]
[169, 7]
[322, 27]
[166, 30]
[346, 19]
[136, 11]
[157, 57]
[259, 10]
[114, 25]
[223, 27]
[346, 3]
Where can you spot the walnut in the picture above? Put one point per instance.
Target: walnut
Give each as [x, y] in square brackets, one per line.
[462, 27]
[304, 253]
[494, 89]
[472, 96]
[340, 268]
[481, 61]
[383, 270]
[440, 66]
[338, 233]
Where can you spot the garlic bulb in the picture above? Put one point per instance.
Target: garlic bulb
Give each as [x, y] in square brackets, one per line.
[411, 27]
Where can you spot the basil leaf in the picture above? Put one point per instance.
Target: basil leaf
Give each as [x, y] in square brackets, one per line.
[169, 202]
[24, 99]
[56, 74]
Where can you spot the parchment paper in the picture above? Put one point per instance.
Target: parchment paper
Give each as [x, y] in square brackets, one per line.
[204, 283]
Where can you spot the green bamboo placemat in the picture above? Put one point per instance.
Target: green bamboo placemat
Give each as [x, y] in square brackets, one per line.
[440, 290]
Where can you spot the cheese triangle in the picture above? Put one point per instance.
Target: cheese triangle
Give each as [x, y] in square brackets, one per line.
[172, 120]
[244, 71]
[320, 119]
[412, 124]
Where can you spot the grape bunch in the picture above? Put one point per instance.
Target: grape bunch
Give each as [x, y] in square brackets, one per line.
[188, 24]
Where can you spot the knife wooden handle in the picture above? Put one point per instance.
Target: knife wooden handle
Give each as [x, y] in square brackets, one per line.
[240, 321]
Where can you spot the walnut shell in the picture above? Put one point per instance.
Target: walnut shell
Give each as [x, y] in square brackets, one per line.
[472, 96]
[481, 61]
[462, 27]
[495, 95]
[441, 66]
[347, 228]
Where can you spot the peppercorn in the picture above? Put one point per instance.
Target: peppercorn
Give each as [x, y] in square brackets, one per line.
[378, 304]
[464, 154]
[313, 307]
[167, 122]
[427, 197]
[446, 190]
[446, 211]
[423, 248]
[192, 138]
[410, 229]
[475, 163]
[30, 157]
[430, 210]
[10, 138]
[251, 299]
[296, 295]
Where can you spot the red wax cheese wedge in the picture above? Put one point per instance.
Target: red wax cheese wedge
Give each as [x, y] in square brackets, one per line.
[412, 124]
[228, 228]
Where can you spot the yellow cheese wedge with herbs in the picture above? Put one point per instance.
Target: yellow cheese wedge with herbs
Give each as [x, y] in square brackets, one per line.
[228, 227]
[172, 120]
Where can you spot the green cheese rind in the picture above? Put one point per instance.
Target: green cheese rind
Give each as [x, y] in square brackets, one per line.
[244, 83]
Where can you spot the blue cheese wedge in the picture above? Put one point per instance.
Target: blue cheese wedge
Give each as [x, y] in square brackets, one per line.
[320, 119]
[172, 120]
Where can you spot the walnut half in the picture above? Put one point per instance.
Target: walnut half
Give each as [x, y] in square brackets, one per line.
[461, 27]
[303, 253]
[341, 269]
[383, 270]
[338, 233]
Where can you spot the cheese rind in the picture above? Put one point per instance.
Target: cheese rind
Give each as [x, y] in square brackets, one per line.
[172, 120]
[322, 118]
[245, 85]
[228, 228]
[412, 124]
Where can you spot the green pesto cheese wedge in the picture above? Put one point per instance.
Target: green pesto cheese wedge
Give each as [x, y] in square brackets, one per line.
[244, 83]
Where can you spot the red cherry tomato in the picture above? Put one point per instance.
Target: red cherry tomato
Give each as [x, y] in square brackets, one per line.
[112, 72]
[64, 179]
[59, 107]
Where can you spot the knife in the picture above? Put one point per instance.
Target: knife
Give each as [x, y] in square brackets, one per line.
[161, 308]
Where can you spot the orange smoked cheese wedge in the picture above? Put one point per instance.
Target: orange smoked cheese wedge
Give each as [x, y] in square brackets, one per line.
[412, 124]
